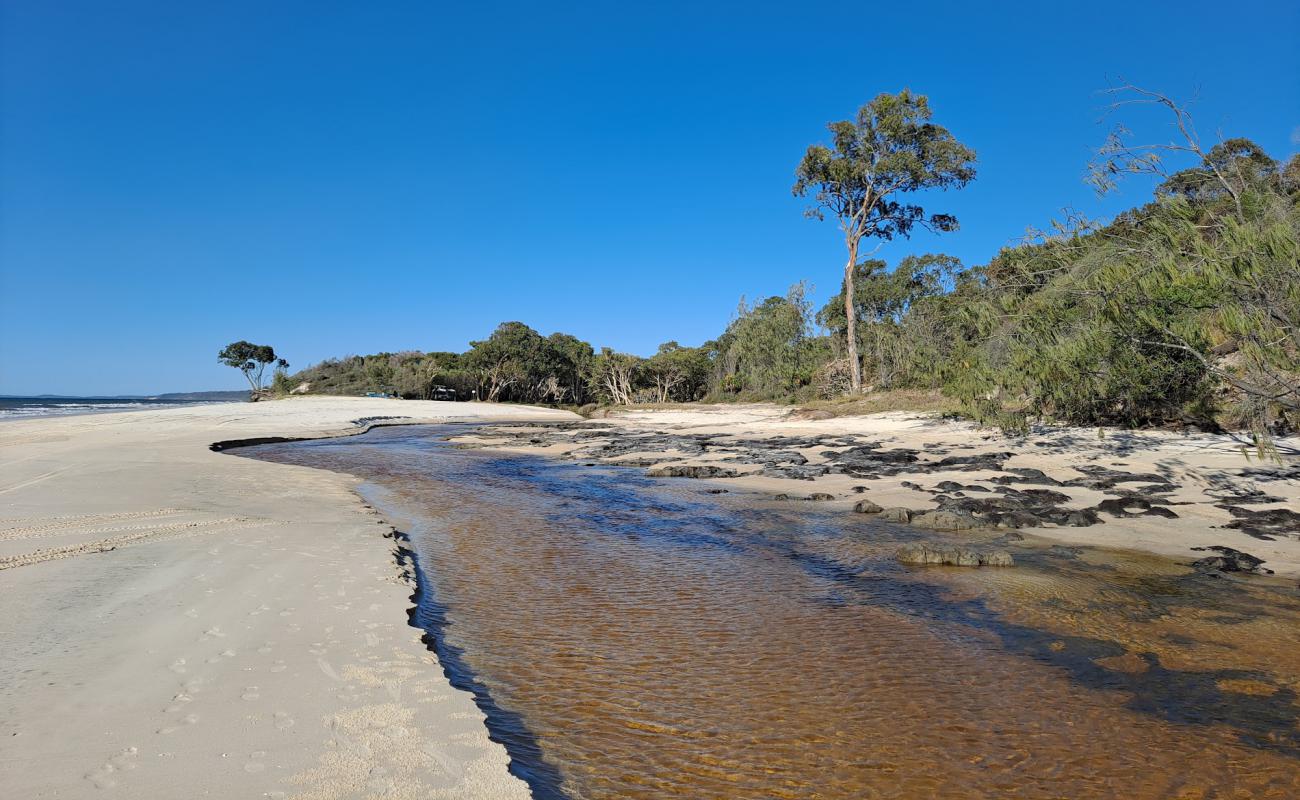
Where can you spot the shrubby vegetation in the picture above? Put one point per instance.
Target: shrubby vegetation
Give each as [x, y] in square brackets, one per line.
[1186, 309]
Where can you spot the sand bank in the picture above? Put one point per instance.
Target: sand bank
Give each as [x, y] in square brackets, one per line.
[184, 623]
[1201, 490]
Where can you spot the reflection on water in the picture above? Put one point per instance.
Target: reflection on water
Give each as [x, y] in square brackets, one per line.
[633, 638]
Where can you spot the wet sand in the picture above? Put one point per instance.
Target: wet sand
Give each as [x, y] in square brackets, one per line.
[181, 623]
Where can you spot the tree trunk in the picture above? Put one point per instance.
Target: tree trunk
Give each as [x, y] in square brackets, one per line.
[851, 321]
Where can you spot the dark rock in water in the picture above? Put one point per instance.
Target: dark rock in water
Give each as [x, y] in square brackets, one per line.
[821, 496]
[867, 507]
[715, 491]
[634, 462]
[1230, 560]
[923, 553]
[945, 521]
[859, 489]
[896, 514]
[691, 471]
[780, 497]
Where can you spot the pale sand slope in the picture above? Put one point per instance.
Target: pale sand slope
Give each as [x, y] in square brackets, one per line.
[1203, 465]
[247, 638]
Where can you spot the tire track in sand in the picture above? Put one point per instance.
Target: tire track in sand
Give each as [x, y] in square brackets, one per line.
[158, 533]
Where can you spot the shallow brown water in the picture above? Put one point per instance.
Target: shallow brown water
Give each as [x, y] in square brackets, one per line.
[633, 638]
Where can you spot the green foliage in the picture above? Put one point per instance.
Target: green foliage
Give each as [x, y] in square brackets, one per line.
[251, 360]
[1185, 309]
[676, 373]
[883, 301]
[890, 151]
[768, 351]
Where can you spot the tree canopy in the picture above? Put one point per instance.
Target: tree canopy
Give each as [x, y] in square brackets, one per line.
[876, 161]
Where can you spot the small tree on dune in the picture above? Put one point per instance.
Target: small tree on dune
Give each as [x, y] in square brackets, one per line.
[891, 149]
[252, 360]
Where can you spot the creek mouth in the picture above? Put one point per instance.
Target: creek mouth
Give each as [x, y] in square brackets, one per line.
[628, 637]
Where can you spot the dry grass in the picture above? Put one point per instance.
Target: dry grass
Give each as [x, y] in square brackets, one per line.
[918, 401]
[914, 400]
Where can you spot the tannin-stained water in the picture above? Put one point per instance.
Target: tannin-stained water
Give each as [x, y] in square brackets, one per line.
[634, 638]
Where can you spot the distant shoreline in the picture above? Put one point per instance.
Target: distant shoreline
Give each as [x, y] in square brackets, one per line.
[14, 408]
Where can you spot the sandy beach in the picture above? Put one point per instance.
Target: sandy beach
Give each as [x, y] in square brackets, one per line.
[183, 623]
[1153, 491]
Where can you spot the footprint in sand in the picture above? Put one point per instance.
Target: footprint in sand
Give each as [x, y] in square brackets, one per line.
[283, 721]
[178, 703]
[278, 666]
[255, 764]
[250, 693]
[106, 776]
[177, 666]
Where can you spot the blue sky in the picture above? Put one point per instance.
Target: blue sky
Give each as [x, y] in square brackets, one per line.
[336, 178]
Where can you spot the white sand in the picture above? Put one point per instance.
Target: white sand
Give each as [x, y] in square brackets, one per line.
[247, 637]
[1199, 463]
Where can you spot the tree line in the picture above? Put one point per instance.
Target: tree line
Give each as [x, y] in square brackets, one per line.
[1186, 308]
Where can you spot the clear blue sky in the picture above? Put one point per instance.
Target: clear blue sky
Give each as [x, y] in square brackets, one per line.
[335, 178]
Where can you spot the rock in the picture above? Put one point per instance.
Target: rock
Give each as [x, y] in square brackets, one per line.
[821, 496]
[780, 497]
[302, 388]
[896, 514]
[867, 507]
[859, 489]
[1265, 524]
[922, 553]
[691, 471]
[1130, 506]
[945, 521]
[1230, 560]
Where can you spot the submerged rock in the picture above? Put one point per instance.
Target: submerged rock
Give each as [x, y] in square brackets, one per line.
[867, 507]
[922, 553]
[821, 496]
[691, 471]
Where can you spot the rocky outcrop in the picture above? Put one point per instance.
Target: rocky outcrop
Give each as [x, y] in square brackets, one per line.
[691, 471]
[946, 521]
[923, 554]
[1230, 560]
[867, 507]
[896, 514]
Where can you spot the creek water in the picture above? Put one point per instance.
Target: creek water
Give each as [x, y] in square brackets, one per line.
[638, 638]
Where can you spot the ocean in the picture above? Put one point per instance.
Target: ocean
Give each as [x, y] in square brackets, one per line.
[27, 407]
